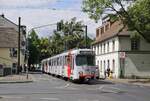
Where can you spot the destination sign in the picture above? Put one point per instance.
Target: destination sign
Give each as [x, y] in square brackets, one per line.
[86, 52]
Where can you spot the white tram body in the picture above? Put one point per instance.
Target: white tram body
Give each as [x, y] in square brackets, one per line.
[77, 64]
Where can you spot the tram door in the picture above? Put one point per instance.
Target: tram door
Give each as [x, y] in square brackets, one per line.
[70, 63]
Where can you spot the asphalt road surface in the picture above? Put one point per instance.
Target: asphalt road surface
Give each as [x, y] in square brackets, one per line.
[48, 88]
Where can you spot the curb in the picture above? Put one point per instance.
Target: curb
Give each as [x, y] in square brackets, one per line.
[8, 82]
[129, 83]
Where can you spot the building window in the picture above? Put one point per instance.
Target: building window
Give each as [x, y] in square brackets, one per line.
[135, 44]
[113, 46]
[101, 66]
[101, 48]
[13, 52]
[104, 48]
[104, 66]
[97, 49]
[108, 47]
[97, 63]
[113, 65]
[97, 32]
[102, 30]
[108, 64]
[106, 27]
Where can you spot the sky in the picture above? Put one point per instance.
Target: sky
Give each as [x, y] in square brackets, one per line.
[36, 13]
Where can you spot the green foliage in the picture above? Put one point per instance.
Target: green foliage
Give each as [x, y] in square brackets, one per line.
[72, 35]
[56, 44]
[140, 16]
[96, 8]
[43, 46]
[33, 42]
[137, 17]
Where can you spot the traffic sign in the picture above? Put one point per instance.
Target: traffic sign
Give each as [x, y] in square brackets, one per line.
[122, 55]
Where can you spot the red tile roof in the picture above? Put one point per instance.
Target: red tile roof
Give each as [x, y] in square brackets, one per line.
[116, 29]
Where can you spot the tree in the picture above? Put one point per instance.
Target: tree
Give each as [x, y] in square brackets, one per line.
[140, 16]
[56, 45]
[33, 42]
[74, 34]
[72, 37]
[98, 8]
[43, 46]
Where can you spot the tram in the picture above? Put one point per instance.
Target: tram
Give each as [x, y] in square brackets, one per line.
[75, 65]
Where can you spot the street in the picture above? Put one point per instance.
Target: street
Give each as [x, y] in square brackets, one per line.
[48, 88]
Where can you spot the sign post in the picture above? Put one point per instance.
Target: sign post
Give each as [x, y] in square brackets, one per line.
[122, 55]
[122, 63]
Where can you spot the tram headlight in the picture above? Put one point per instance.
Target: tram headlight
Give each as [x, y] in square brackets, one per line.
[92, 72]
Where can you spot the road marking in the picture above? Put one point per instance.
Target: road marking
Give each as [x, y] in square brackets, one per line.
[110, 89]
[53, 99]
[12, 97]
[115, 88]
[101, 87]
[67, 85]
[88, 100]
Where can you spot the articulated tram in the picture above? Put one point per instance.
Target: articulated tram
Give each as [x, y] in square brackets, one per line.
[77, 64]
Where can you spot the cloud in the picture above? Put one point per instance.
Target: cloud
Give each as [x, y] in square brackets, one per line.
[42, 16]
[24, 3]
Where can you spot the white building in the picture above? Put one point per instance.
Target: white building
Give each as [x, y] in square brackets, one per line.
[125, 56]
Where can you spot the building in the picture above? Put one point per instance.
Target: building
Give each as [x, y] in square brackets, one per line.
[9, 45]
[126, 56]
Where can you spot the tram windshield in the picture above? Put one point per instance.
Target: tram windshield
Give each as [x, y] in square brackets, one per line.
[88, 60]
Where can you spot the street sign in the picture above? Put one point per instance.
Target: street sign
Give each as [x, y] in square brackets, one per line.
[122, 55]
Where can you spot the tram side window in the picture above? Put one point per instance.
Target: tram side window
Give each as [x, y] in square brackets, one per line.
[60, 60]
[52, 62]
[56, 62]
[49, 62]
[65, 60]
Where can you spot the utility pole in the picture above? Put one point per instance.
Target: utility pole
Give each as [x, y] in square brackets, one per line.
[19, 26]
[86, 36]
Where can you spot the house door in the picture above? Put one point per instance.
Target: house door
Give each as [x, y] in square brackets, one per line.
[122, 67]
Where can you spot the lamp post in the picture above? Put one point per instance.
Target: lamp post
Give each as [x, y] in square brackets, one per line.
[85, 35]
[37, 27]
[19, 28]
[85, 38]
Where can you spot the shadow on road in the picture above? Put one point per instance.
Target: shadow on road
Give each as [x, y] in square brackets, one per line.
[35, 72]
[96, 82]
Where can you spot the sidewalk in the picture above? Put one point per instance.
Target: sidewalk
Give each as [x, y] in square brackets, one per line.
[21, 78]
[140, 82]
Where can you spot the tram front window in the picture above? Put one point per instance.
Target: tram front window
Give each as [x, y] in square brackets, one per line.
[85, 60]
